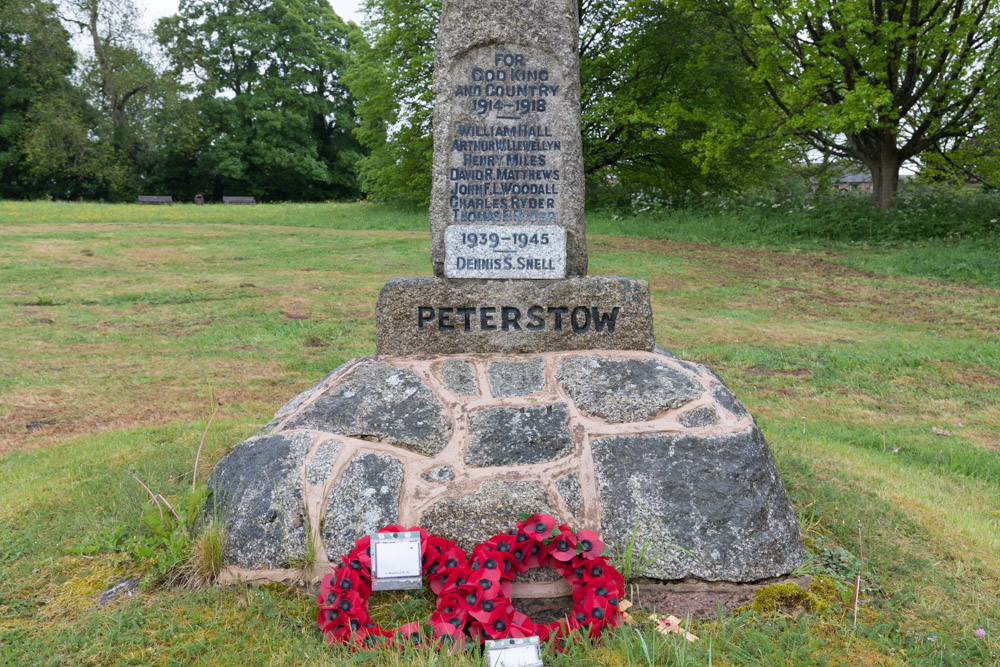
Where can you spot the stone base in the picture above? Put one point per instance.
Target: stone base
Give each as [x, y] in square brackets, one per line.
[618, 442]
[439, 316]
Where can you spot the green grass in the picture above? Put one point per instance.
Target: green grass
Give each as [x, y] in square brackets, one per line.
[120, 323]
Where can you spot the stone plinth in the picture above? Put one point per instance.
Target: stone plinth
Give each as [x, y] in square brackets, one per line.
[440, 316]
[612, 441]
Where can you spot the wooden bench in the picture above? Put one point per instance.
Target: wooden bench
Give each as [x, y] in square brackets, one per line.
[156, 199]
[238, 200]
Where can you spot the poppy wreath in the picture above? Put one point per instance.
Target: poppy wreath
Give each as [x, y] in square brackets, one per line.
[478, 601]
[343, 594]
[474, 594]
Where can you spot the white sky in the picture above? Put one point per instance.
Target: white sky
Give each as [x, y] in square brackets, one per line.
[349, 10]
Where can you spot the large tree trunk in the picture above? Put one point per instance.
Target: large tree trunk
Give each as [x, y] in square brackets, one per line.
[885, 173]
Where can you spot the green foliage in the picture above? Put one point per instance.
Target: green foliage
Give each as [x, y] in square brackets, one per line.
[664, 99]
[168, 532]
[35, 62]
[631, 557]
[271, 117]
[877, 83]
[390, 76]
[828, 359]
[663, 94]
[790, 597]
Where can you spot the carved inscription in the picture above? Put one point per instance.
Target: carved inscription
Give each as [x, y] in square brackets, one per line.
[505, 152]
[505, 251]
[578, 319]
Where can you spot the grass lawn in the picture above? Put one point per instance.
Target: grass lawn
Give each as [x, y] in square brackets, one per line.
[876, 382]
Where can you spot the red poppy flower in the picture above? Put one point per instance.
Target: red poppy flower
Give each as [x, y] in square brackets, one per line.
[338, 634]
[603, 588]
[497, 626]
[351, 604]
[485, 609]
[450, 623]
[508, 565]
[327, 619]
[539, 526]
[537, 555]
[559, 632]
[502, 543]
[563, 548]
[432, 547]
[469, 596]
[597, 610]
[347, 579]
[590, 544]
[521, 625]
[361, 553]
[452, 578]
[409, 633]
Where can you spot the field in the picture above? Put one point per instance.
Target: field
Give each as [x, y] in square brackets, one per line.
[873, 370]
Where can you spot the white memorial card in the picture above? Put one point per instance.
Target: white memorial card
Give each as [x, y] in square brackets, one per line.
[524, 652]
[396, 561]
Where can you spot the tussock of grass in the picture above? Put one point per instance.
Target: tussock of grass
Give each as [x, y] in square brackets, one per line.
[205, 563]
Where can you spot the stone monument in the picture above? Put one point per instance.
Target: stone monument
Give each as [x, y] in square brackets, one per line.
[511, 381]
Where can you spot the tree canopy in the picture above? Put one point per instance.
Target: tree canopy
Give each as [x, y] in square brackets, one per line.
[878, 82]
[272, 113]
[283, 100]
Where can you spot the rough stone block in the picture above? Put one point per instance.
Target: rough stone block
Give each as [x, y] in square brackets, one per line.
[384, 402]
[625, 390]
[502, 436]
[364, 498]
[257, 490]
[706, 415]
[431, 316]
[478, 516]
[516, 378]
[713, 506]
[569, 489]
[458, 376]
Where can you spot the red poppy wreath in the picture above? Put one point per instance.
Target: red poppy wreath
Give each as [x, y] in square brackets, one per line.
[343, 594]
[473, 595]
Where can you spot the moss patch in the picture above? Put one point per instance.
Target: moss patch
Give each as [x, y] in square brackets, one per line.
[790, 597]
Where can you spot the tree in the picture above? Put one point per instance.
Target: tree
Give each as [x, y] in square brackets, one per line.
[275, 118]
[664, 98]
[660, 89]
[877, 81]
[35, 62]
[390, 76]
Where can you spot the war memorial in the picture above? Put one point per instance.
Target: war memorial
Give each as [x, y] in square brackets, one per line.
[511, 382]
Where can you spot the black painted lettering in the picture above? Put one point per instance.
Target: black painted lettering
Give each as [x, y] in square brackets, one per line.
[486, 319]
[467, 313]
[602, 320]
[443, 315]
[537, 321]
[509, 317]
[424, 314]
[558, 312]
[580, 327]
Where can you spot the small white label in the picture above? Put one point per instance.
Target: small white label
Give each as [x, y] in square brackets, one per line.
[505, 251]
[396, 561]
[524, 652]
